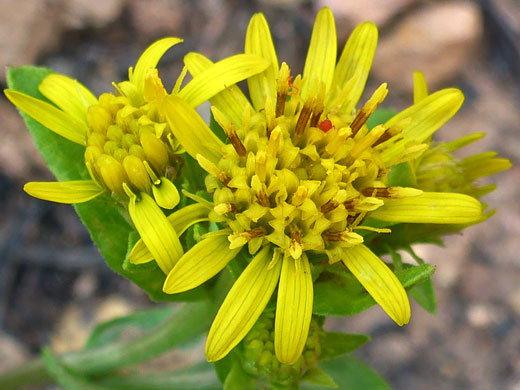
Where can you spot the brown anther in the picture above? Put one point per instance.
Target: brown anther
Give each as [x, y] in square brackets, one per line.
[262, 196]
[256, 232]
[316, 118]
[332, 236]
[358, 122]
[305, 114]
[281, 97]
[329, 206]
[381, 192]
[389, 133]
[349, 204]
[296, 236]
[235, 141]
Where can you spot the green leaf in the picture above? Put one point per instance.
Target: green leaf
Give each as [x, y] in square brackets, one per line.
[112, 331]
[238, 379]
[401, 175]
[351, 374]
[185, 325]
[406, 234]
[337, 344]
[318, 377]
[64, 376]
[102, 216]
[197, 377]
[380, 116]
[424, 295]
[344, 296]
[194, 174]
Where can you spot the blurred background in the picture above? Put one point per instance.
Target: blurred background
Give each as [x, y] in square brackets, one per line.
[54, 286]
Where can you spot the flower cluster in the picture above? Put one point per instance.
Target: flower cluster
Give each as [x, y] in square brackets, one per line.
[301, 178]
[301, 174]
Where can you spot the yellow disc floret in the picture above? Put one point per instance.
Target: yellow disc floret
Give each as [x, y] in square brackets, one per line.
[299, 180]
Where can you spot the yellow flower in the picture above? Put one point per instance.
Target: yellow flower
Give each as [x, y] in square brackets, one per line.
[130, 151]
[438, 169]
[300, 175]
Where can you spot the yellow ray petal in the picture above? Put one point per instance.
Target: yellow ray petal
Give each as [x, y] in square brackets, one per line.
[199, 264]
[420, 88]
[76, 191]
[356, 60]
[429, 114]
[191, 131]
[149, 59]
[166, 194]
[68, 94]
[181, 220]
[379, 281]
[156, 231]
[321, 57]
[49, 116]
[431, 207]
[231, 100]
[293, 309]
[220, 75]
[259, 42]
[243, 305]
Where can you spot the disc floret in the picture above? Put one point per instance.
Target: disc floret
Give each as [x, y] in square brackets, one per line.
[291, 183]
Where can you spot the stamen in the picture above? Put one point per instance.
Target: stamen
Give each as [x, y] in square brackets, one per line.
[235, 141]
[229, 129]
[369, 108]
[262, 197]
[393, 131]
[282, 89]
[305, 114]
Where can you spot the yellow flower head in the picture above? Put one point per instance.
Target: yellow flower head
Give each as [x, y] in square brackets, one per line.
[130, 151]
[300, 175]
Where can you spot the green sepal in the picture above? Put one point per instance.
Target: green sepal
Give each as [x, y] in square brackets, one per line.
[424, 294]
[108, 229]
[401, 175]
[351, 374]
[336, 344]
[317, 376]
[238, 379]
[343, 295]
